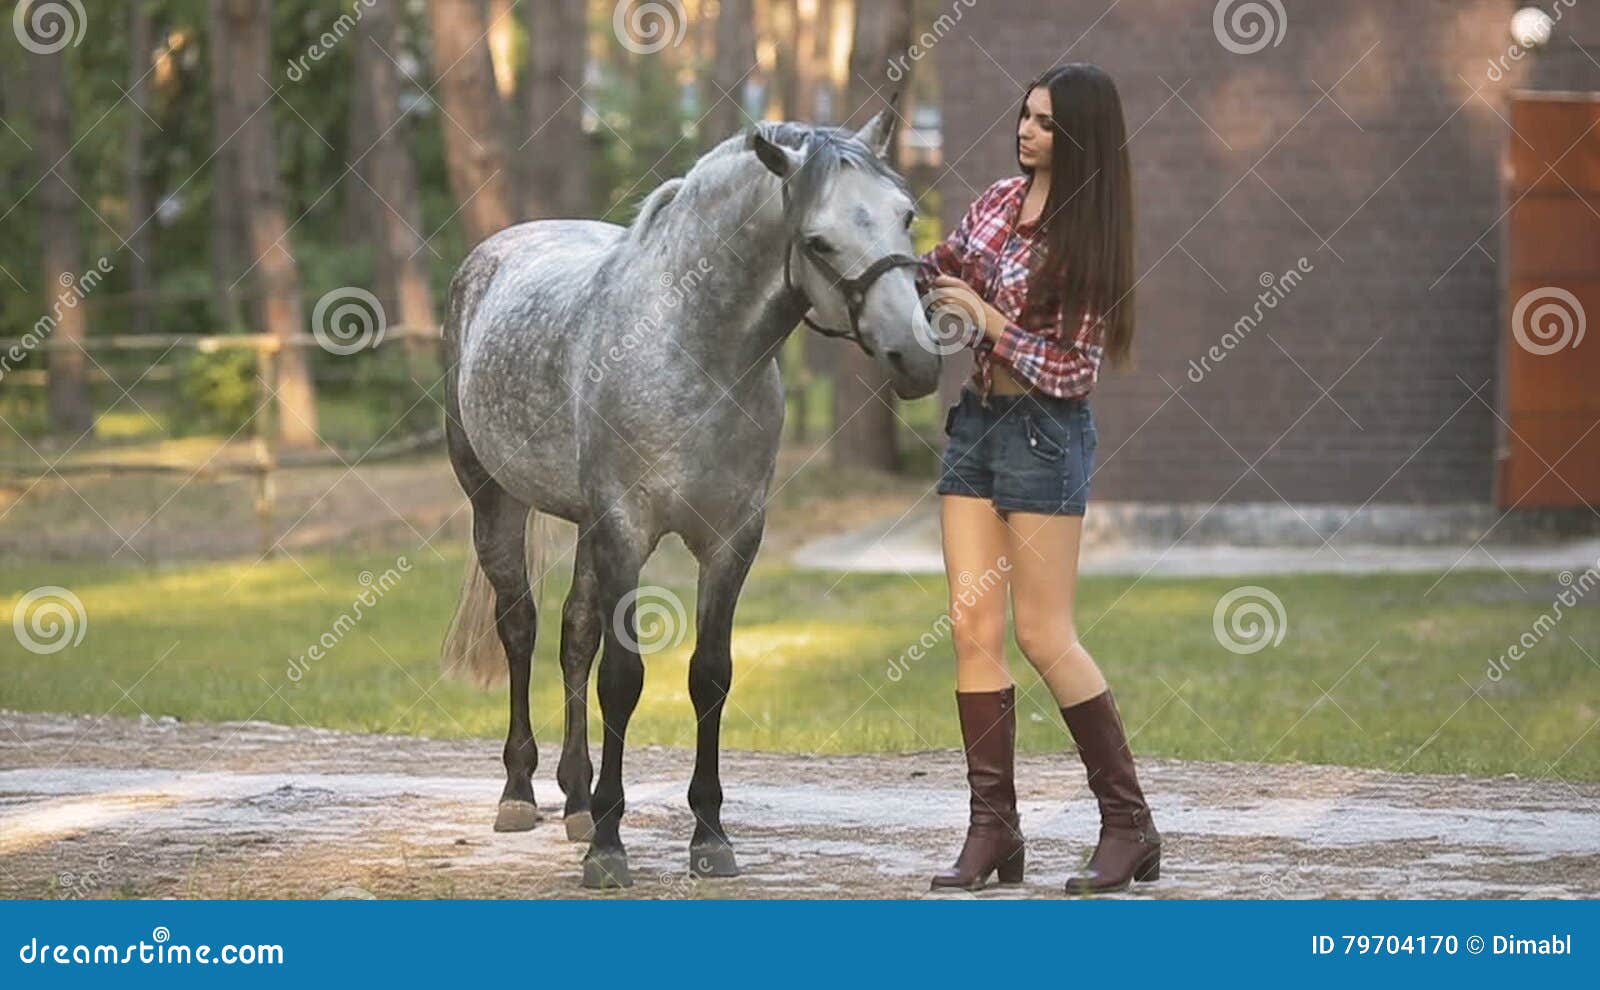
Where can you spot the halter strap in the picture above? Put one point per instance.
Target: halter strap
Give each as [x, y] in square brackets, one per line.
[854, 289]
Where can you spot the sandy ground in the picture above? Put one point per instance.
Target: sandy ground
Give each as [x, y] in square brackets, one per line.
[134, 808]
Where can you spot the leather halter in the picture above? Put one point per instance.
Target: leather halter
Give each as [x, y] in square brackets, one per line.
[854, 289]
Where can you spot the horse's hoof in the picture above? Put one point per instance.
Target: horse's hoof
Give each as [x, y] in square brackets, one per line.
[580, 826]
[606, 870]
[516, 816]
[712, 859]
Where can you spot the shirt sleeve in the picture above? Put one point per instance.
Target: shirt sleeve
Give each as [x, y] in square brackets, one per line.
[946, 257]
[1049, 361]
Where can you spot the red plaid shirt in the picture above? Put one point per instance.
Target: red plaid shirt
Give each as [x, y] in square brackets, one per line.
[989, 250]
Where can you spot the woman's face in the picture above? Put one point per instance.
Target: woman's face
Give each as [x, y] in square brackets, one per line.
[1035, 131]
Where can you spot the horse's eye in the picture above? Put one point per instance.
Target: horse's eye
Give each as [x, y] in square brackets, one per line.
[819, 245]
[911, 217]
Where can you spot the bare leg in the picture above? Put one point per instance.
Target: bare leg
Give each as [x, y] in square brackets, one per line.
[1044, 589]
[977, 571]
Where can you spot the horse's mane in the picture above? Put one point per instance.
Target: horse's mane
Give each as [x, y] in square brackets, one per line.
[653, 205]
[827, 149]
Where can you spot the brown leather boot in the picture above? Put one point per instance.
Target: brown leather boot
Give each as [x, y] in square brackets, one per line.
[994, 837]
[1130, 846]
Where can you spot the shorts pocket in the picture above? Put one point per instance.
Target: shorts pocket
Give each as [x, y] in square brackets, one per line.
[950, 418]
[1040, 443]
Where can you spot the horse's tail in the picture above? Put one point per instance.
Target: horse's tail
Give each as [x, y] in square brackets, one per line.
[472, 649]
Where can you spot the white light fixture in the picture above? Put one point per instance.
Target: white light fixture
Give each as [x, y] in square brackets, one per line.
[1531, 27]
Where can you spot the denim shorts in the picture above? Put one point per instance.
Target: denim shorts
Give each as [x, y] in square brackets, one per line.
[1025, 453]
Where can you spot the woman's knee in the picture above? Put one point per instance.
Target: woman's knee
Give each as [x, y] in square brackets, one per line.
[1045, 640]
[979, 634]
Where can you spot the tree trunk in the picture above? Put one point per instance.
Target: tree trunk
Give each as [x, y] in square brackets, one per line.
[361, 207]
[810, 41]
[723, 89]
[266, 226]
[863, 402]
[473, 123]
[823, 357]
[61, 244]
[139, 218]
[502, 40]
[556, 150]
[402, 260]
[774, 29]
[227, 222]
[784, 21]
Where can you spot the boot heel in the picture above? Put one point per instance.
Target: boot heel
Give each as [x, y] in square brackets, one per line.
[1149, 870]
[1009, 871]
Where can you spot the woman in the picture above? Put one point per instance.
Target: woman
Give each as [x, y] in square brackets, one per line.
[1039, 276]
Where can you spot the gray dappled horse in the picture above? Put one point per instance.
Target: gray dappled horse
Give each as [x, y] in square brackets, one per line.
[589, 384]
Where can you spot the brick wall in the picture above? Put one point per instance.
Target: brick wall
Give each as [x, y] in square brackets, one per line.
[1388, 186]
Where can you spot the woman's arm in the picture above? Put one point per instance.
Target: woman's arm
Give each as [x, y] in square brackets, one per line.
[947, 256]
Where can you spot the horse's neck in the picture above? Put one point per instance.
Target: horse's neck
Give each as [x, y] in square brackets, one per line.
[731, 233]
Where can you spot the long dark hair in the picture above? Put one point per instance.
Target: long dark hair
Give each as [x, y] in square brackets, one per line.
[1086, 265]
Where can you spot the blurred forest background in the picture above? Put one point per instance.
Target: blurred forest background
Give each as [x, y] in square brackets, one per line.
[181, 170]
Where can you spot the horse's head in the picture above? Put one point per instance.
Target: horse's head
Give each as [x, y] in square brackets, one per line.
[848, 217]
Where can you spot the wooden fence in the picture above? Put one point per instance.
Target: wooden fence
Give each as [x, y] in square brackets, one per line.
[265, 459]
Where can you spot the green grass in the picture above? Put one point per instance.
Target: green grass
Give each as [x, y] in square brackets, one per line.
[816, 664]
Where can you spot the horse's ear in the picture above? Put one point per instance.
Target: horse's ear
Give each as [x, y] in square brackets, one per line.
[779, 160]
[878, 131]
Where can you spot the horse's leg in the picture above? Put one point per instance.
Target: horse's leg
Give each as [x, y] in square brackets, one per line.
[722, 572]
[580, 638]
[499, 523]
[619, 552]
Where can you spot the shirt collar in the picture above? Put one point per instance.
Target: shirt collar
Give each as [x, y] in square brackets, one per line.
[1014, 209]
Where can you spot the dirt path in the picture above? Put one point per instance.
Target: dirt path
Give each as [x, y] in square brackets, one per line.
[128, 808]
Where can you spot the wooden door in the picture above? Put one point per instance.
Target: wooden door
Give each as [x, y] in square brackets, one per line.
[1549, 450]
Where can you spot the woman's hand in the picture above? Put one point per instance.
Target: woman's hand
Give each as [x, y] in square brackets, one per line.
[965, 305]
